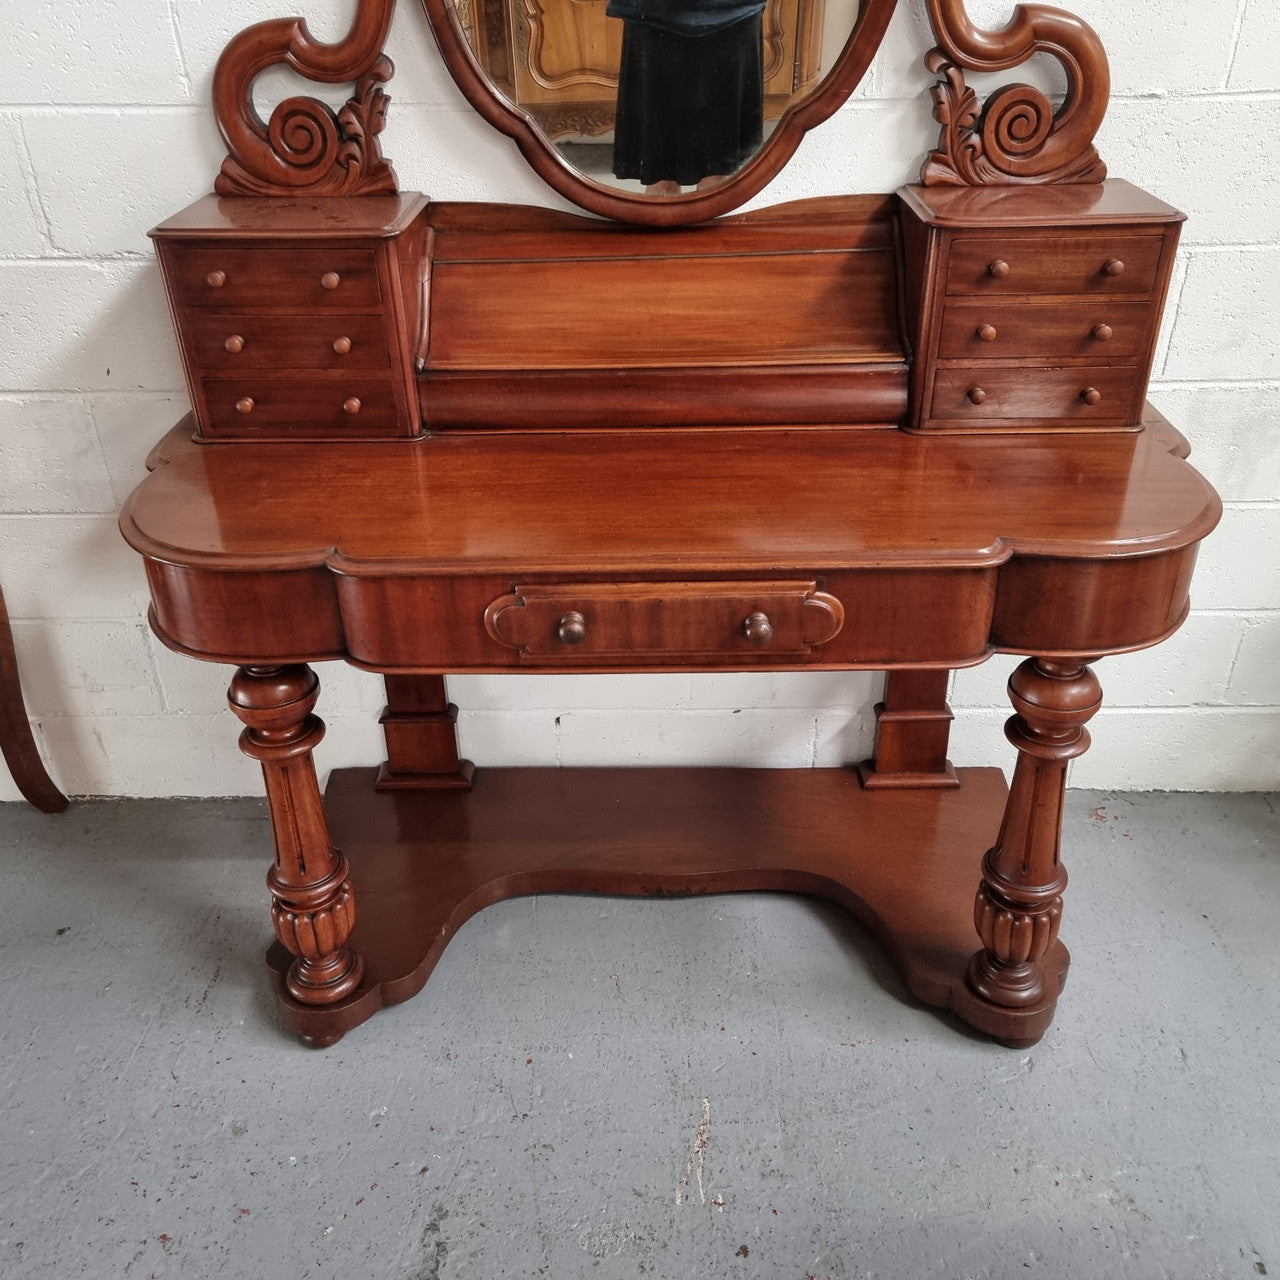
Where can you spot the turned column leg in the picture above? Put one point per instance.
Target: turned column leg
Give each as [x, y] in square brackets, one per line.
[1019, 902]
[313, 906]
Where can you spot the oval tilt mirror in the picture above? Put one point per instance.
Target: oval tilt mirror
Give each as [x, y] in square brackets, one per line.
[658, 111]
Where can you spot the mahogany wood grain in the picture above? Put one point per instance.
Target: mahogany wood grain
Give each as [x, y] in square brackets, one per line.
[904, 863]
[1008, 322]
[940, 548]
[1064, 263]
[913, 727]
[312, 902]
[632, 621]
[1017, 135]
[855, 393]
[1063, 331]
[419, 723]
[305, 146]
[267, 293]
[1019, 904]
[772, 309]
[231, 342]
[17, 742]
[995, 391]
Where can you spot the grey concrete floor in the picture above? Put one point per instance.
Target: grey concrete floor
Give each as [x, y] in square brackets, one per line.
[717, 1087]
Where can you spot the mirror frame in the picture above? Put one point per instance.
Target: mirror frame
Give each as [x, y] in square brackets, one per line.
[1016, 136]
[660, 211]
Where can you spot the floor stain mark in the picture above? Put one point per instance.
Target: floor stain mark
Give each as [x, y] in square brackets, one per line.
[696, 1167]
[435, 1249]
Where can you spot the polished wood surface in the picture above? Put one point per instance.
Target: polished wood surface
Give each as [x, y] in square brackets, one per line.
[871, 432]
[1017, 135]
[17, 742]
[299, 317]
[903, 863]
[941, 549]
[1034, 308]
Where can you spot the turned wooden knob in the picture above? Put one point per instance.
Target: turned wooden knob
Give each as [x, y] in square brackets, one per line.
[1091, 395]
[998, 269]
[342, 346]
[976, 395]
[987, 332]
[216, 279]
[244, 404]
[572, 628]
[1113, 267]
[234, 344]
[330, 280]
[1102, 332]
[757, 628]
[351, 406]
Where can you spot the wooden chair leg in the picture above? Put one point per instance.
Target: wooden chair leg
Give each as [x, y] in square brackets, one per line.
[16, 739]
[312, 902]
[422, 740]
[1019, 902]
[913, 726]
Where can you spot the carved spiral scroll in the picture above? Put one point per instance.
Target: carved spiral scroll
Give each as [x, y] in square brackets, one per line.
[306, 148]
[1016, 137]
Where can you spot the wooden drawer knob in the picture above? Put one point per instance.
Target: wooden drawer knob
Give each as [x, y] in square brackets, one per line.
[216, 279]
[998, 269]
[1091, 395]
[1113, 267]
[1102, 332]
[330, 280]
[757, 628]
[351, 406]
[976, 395]
[234, 344]
[987, 332]
[244, 404]
[572, 628]
[342, 346]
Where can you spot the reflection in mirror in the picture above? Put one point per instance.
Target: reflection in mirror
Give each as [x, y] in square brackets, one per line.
[662, 97]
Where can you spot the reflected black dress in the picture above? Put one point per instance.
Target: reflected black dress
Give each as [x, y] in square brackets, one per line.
[691, 88]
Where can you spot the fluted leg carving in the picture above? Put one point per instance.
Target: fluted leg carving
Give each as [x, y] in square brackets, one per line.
[313, 906]
[1019, 902]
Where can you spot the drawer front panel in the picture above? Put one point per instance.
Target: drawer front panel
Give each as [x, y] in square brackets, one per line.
[1097, 263]
[589, 621]
[1104, 329]
[347, 407]
[227, 343]
[1064, 395]
[302, 279]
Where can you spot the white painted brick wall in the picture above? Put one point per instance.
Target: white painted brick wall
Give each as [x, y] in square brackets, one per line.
[105, 129]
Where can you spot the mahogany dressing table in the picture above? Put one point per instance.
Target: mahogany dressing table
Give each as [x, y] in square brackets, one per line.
[893, 432]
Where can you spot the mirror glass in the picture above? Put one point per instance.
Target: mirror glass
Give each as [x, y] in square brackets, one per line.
[660, 98]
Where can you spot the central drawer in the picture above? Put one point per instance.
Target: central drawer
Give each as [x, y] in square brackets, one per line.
[595, 620]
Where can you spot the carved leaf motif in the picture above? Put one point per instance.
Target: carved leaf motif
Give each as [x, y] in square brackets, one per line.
[1017, 136]
[305, 148]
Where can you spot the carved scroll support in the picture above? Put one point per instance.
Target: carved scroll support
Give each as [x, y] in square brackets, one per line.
[306, 148]
[312, 902]
[1019, 901]
[1016, 136]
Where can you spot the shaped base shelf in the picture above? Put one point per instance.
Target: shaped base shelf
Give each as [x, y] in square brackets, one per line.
[904, 863]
